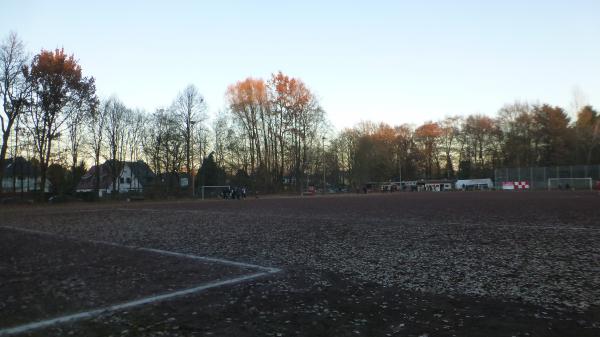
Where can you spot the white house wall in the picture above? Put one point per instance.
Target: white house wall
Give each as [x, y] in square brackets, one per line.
[29, 184]
[133, 185]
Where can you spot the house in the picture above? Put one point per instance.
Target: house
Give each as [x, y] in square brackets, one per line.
[132, 177]
[21, 175]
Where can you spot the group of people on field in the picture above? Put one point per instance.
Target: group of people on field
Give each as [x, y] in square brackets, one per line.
[234, 193]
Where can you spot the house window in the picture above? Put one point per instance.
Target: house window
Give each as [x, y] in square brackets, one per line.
[128, 180]
[121, 180]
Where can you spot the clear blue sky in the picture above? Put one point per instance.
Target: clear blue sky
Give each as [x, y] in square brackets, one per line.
[394, 61]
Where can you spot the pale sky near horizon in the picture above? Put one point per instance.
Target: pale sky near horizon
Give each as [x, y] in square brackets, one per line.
[392, 61]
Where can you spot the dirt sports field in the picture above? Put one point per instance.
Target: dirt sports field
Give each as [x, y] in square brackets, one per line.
[408, 264]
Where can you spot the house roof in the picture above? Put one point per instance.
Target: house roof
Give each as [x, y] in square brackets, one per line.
[88, 180]
[19, 166]
[140, 170]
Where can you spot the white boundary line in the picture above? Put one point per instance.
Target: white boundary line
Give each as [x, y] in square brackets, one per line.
[146, 300]
[96, 312]
[152, 250]
[583, 229]
[557, 227]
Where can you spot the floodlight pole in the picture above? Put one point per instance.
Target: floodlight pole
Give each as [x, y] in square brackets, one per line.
[399, 170]
[324, 184]
[190, 132]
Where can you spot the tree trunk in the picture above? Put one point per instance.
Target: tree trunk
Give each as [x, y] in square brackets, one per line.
[3, 150]
[44, 168]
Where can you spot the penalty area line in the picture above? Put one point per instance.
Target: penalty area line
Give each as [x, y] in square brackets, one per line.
[150, 250]
[117, 307]
[263, 271]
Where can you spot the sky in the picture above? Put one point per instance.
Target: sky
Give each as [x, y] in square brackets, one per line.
[392, 61]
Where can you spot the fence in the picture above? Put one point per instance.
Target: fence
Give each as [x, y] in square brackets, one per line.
[538, 176]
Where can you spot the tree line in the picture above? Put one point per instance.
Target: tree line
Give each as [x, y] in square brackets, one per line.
[272, 135]
[270, 131]
[52, 116]
[521, 135]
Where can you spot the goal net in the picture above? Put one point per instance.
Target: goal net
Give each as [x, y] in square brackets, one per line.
[570, 184]
[214, 192]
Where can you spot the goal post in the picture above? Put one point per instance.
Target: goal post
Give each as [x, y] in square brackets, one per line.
[213, 191]
[570, 184]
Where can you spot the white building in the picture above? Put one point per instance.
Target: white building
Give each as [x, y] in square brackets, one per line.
[132, 177]
[21, 176]
[474, 184]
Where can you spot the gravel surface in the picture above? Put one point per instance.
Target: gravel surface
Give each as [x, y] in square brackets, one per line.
[527, 263]
[43, 277]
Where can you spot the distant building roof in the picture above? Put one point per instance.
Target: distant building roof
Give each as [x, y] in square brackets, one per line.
[20, 166]
[88, 180]
[140, 170]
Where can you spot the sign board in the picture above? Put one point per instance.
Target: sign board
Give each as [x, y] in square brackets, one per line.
[508, 185]
[183, 182]
[515, 185]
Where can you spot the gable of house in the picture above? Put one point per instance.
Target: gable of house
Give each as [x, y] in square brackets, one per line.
[133, 176]
[88, 180]
[142, 172]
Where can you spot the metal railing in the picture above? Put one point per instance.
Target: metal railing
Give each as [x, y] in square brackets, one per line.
[538, 176]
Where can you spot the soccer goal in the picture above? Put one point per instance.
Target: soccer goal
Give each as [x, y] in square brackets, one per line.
[213, 191]
[570, 184]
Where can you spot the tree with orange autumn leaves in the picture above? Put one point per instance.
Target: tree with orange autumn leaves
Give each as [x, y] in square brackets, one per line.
[278, 124]
[473, 146]
[58, 90]
[426, 136]
[455, 147]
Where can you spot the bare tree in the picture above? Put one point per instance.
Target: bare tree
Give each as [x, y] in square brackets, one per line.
[153, 139]
[579, 100]
[135, 121]
[515, 121]
[190, 108]
[449, 127]
[95, 129]
[164, 143]
[14, 89]
[201, 142]
[81, 111]
[221, 125]
[114, 134]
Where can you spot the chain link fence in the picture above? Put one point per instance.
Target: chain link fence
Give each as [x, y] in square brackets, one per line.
[538, 176]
